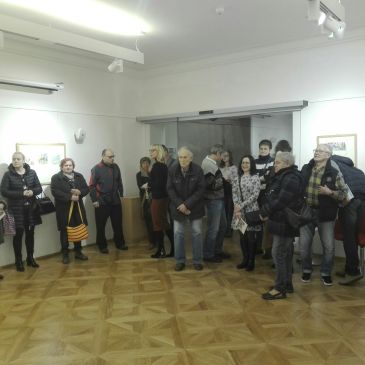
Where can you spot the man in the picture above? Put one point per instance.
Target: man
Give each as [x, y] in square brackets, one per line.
[264, 167]
[214, 201]
[106, 192]
[185, 186]
[351, 215]
[325, 188]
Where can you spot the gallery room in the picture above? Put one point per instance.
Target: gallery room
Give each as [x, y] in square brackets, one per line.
[79, 77]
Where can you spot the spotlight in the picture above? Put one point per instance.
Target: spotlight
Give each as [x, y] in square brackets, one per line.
[337, 28]
[116, 66]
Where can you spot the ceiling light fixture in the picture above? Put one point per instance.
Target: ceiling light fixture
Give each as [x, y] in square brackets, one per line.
[32, 84]
[91, 14]
[330, 15]
[116, 66]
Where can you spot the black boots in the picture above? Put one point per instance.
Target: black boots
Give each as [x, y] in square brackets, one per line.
[248, 248]
[160, 253]
[31, 262]
[170, 235]
[19, 264]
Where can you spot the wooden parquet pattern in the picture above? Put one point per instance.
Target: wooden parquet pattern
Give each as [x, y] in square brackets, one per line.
[127, 309]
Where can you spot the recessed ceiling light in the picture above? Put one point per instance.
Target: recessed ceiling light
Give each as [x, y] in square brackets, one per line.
[91, 14]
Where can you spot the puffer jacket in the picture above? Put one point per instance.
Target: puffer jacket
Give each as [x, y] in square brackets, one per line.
[286, 190]
[12, 189]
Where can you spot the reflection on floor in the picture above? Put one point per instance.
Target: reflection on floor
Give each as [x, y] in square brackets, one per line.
[127, 309]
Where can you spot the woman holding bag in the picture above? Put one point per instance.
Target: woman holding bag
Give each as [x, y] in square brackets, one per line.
[68, 188]
[20, 185]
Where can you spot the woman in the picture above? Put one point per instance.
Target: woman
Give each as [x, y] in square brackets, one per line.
[246, 190]
[286, 190]
[159, 204]
[229, 172]
[143, 177]
[69, 186]
[20, 185]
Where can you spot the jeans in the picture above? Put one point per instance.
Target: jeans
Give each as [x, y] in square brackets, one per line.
[282, 253]
[196, 240]
[102, 214]
[216, 228]
[327, 236]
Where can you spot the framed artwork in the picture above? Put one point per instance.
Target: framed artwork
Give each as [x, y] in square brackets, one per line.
[43, 158]
[342, 144]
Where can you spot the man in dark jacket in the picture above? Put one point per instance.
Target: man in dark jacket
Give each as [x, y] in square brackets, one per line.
[185, 186]
[351, 216]
[325, 188]
[106, 192]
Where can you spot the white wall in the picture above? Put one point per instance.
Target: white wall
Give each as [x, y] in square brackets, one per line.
[103, 104]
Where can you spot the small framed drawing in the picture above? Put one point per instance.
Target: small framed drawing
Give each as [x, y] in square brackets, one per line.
[43, 158]
[342, 144]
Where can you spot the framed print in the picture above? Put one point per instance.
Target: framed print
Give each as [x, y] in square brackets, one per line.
[43, 158]
[342, 144]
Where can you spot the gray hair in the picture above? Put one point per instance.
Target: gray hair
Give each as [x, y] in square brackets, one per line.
[327, 146]
[188, 150]
[287, 157]
[216, 149]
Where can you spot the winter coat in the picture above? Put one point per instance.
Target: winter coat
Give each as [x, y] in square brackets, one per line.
[328, 207]
[188, 190]
[354, 177]
[61, 190]
[286, 190]
[105, 184]
[158, 180]
[12, 188]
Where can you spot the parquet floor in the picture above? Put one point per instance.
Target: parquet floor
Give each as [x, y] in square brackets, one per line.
[127, 309]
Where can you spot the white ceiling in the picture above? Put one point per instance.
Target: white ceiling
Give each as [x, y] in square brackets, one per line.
[188, 30]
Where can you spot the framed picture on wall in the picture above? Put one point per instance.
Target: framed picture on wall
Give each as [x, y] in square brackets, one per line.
[43, 158]
[342, 144]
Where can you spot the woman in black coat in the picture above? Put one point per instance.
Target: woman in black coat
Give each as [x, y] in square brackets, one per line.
[285, 191]
[20, 185]
[69, 186]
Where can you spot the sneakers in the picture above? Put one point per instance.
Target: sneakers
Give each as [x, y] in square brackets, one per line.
[327, 280]
[306, 277]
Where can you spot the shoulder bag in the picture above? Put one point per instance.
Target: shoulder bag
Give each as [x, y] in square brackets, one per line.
[78, 233]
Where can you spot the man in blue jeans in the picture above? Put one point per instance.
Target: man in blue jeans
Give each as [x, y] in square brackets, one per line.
[214, 202]
[325, 189]
[185, 186]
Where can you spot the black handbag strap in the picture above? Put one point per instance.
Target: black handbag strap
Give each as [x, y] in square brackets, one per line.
[239, 184]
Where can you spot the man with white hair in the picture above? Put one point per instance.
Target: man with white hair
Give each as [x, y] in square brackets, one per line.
[185, 186]
[325, 188]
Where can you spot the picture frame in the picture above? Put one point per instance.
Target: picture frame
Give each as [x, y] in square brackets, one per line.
[342, 144]
[44, 158]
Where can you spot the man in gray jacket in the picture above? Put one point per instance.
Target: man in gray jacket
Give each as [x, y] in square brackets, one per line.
[214, 202]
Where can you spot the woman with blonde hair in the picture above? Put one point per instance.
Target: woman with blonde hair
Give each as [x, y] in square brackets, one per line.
[159, 204]
[20, 185]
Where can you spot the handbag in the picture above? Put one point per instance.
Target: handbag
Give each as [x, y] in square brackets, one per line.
[297, 220]
[44, 204]
[9, 224]
[78, 233]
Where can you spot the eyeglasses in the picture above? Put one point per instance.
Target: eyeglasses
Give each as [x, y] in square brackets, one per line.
[111, 156]
[153, 150]
[319, 151]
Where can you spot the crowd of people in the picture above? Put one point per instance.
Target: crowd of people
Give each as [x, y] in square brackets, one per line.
[256, 194]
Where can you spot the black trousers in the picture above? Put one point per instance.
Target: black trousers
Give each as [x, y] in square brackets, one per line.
[29, 242]
[351, 217]
[102, 213]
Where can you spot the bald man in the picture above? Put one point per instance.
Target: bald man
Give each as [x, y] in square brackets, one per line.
[106, 192]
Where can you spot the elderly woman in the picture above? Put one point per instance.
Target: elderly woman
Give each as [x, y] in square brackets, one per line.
[246, 190]
[69, 186]
[286, 190]
[20, 185]
[159, 204]
[143, 178]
